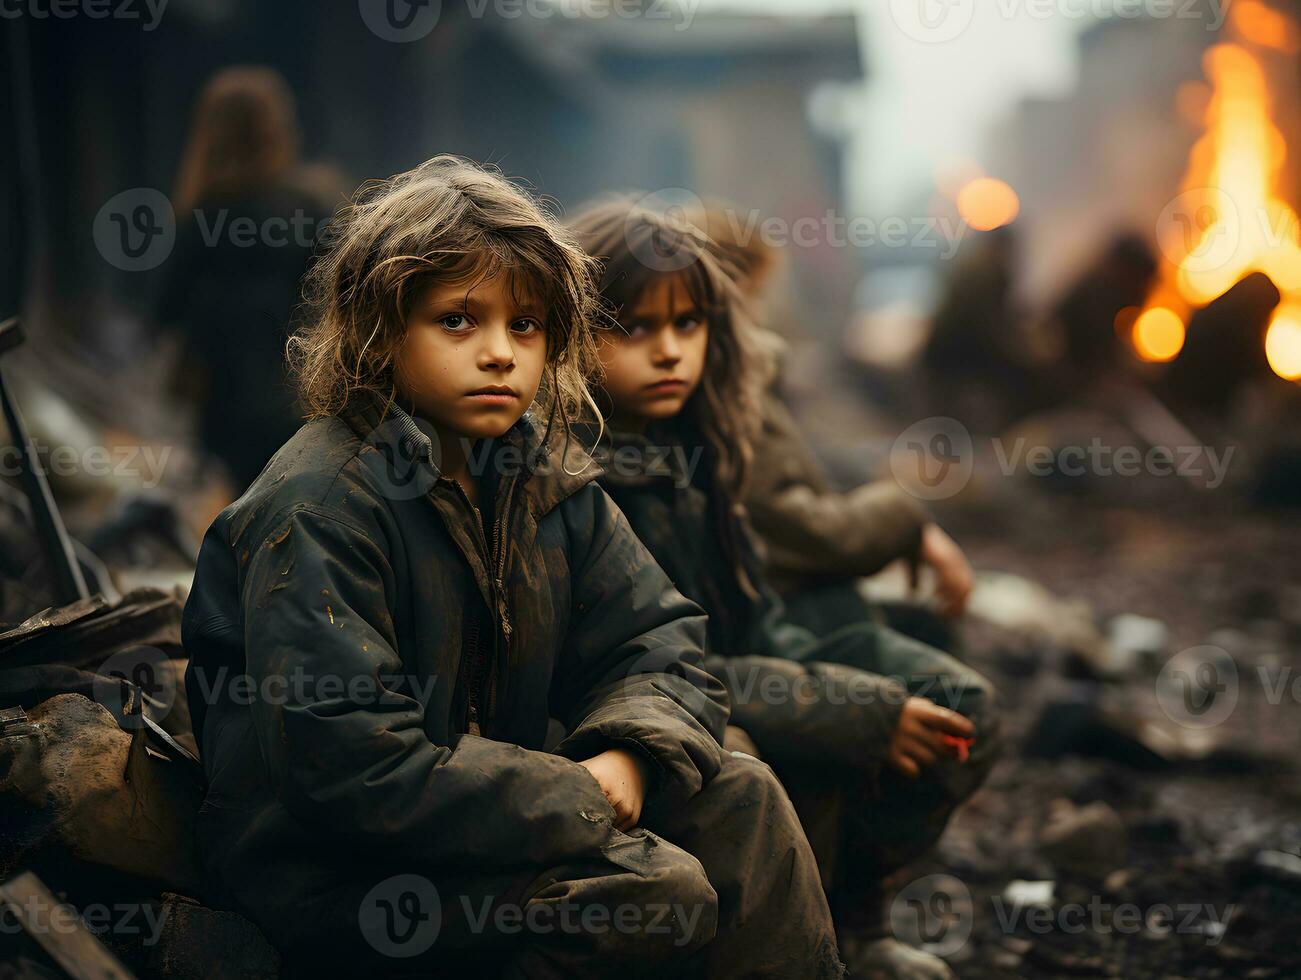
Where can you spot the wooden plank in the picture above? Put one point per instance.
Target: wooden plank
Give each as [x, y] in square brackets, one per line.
[57, 928]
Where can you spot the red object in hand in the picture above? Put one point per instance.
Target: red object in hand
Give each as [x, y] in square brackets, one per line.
[962, 745]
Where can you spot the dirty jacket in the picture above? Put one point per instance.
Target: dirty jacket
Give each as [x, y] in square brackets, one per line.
[665, 490]
[434, 647]
[812, 533]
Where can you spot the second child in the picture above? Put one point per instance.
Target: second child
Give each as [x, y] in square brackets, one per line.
[870, 730]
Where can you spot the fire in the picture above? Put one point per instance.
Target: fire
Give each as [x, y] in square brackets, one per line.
[1257, 23]
[1229, 218]
[1283, 343]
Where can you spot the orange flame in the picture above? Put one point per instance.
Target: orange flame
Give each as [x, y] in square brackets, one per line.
[1229, 218]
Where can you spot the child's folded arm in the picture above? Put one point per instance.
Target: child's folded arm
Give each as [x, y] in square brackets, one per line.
[813, 713]
[347, 747]
[811, 529]
[631, 676]
[854, 533]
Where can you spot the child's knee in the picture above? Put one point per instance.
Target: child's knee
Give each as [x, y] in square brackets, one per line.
[980, 703]
[978, 700]
[670, 909]
[747, 794]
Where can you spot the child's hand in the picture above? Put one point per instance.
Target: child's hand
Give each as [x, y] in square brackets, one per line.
[953, 578]
[919, 737]
[623, 780]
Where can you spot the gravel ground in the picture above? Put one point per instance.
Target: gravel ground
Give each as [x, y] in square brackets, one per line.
[1188, 868]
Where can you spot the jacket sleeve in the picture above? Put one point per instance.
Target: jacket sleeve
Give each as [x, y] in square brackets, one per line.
[808, 528]
[632, 672]
[346, 746]
[812, 713]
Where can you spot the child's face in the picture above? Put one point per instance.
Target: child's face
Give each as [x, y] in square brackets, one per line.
[652, 369]
[471, 362]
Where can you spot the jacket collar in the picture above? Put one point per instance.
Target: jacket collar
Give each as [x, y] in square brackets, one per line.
[552, 465]
[631, 459]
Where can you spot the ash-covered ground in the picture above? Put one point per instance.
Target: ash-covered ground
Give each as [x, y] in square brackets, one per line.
[1145, 820]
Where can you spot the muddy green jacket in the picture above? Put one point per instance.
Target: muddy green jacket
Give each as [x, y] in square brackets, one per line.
[706, 547]
[812, 533]
[405, 656]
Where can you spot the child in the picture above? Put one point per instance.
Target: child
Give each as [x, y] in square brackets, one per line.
[874, 771]
[817, 541]
[382, 626]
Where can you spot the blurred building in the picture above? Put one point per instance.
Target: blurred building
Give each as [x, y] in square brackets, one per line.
[718, 104]
[1109, 156]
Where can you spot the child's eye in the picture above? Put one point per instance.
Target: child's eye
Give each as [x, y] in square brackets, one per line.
[689, 321]
[526, 327]
[455, 323]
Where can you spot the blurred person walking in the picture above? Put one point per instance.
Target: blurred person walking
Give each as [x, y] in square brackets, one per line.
[248, 214]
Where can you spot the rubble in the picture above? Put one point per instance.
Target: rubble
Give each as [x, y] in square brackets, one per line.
[1103, 794]
[1021, 893]
[198, 943]
[87, 632]
[1089, 841]
[1135, 642]
[77, 787]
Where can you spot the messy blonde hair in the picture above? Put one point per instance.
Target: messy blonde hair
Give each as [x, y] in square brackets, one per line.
[640, 247]
[448, 221]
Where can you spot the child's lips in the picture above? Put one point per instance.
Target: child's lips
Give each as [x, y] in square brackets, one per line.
[668, 386]
[494, 395]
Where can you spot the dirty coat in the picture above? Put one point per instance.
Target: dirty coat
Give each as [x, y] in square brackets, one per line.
[821, 709]
[814, 535]
[433, 647]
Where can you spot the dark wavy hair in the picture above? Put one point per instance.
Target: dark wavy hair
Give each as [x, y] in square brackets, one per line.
[639, 247]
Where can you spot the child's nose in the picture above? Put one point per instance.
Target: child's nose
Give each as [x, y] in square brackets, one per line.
[668, 350]
[497, 352]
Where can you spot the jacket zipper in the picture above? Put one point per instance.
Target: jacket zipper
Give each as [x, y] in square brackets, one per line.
[499, 544]
[476, 673]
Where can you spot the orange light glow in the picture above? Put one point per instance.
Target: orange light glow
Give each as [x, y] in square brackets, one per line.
[1283, 343]
[1191, 100]
[987, 203]
[1158, 334]
[1125, 320]
[1259, 24]
[1229, 218]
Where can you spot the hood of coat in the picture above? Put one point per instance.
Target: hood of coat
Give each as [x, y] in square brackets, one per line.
[553, 464]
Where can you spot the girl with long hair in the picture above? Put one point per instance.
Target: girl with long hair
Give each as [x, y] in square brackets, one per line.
[870, 731]
[424, 577]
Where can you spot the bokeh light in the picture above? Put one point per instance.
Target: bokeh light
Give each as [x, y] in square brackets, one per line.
[1158, 334]
[987, 203]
